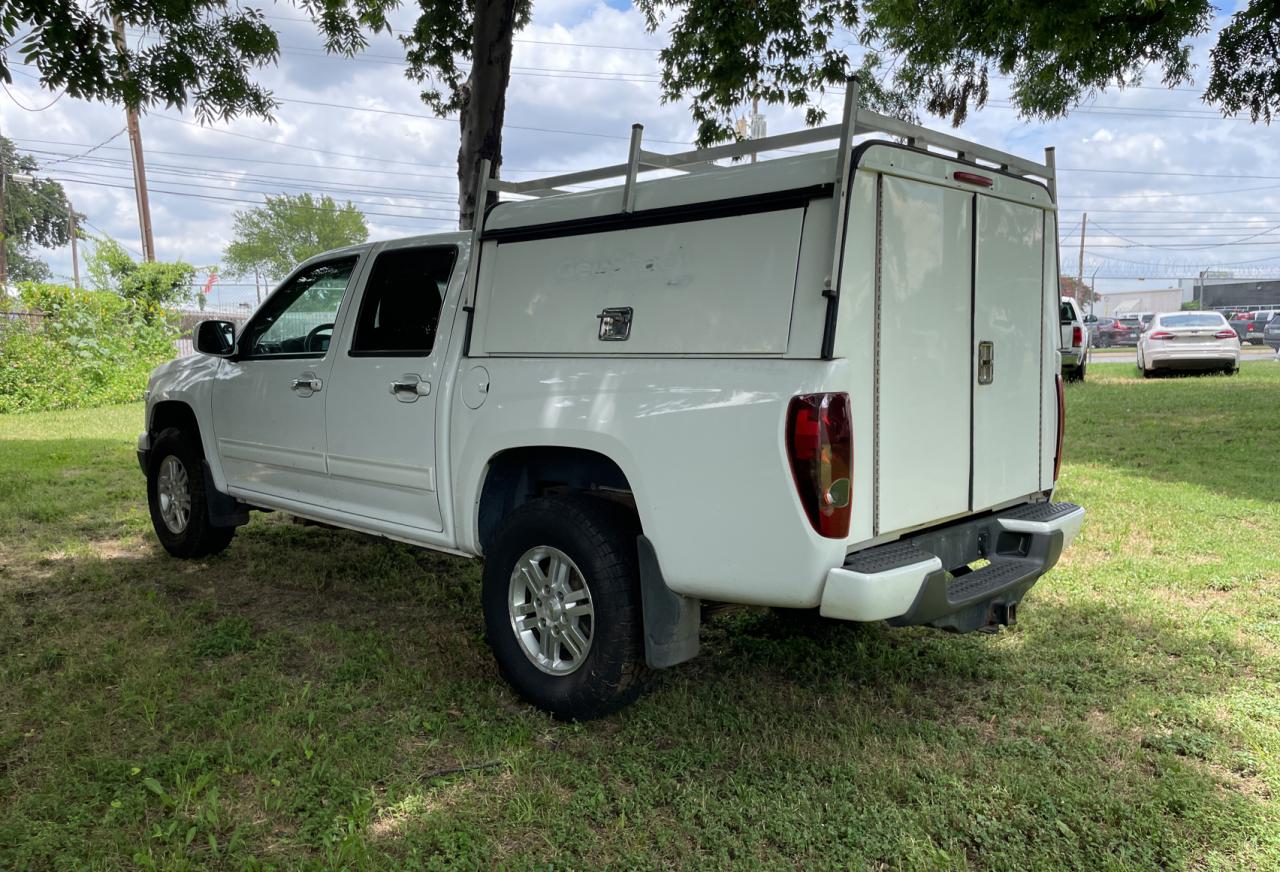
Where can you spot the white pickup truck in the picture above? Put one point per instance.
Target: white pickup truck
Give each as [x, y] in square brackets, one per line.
[1075, 339]
[730, 384]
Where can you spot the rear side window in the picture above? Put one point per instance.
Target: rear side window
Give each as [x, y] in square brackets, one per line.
[1196, 319]
[1066, 313]
[400, 310]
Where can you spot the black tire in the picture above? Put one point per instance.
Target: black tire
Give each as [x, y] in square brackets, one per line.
[197, 538]
[1231, 370]
[599, 538]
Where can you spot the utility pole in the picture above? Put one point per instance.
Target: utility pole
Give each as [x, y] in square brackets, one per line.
[139, 167]
[4, 229]
[71, 231]
[1084, 223]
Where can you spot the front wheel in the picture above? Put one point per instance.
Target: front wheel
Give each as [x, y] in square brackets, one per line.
[562, 610]
[177, 499]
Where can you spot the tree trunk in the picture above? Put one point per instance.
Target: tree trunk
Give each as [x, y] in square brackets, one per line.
[485, 102]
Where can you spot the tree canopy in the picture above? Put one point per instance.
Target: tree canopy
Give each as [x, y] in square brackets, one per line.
[277, 236]
[36, 214]
[156, 286]
[939, 55]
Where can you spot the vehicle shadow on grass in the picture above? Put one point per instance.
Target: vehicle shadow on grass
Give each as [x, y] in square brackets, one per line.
[321, 679]
[1089, 737]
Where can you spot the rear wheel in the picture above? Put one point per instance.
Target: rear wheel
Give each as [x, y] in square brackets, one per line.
[177, 498]
[562, 606]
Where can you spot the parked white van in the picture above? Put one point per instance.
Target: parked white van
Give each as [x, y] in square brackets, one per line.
[827, 380]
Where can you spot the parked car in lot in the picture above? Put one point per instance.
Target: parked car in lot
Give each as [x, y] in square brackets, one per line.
[1189, 341]
[1271, 333]
[1112, 332]
[1251, 326]
[1075, 340]
[633, 400]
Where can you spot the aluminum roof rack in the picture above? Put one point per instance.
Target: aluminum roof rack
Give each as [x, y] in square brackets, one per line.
[855, 122]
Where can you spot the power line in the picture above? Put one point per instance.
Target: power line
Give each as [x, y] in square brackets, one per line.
[238, 199]
[19, 104]
[90, 151]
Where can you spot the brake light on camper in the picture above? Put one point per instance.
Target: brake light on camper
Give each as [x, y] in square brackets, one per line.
[820, 449]
[973, 179]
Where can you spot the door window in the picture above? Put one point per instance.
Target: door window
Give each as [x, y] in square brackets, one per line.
[400, 310]
[298, 319]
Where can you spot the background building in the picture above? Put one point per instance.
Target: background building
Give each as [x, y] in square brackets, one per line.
[1214, 292]
[1156, 300]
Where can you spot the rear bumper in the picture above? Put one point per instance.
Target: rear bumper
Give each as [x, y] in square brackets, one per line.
[1170, 358]
[925, 578]
[1072, 357]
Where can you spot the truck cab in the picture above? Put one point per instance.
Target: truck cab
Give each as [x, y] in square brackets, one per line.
[727, 385]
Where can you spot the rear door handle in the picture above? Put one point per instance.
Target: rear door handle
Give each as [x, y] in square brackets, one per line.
[986, 362]
[409, 387]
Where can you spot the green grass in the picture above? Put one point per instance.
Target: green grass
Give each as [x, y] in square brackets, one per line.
[313, 699]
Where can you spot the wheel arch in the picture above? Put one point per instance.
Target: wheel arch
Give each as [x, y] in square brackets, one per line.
[173, 413]
[516, 475]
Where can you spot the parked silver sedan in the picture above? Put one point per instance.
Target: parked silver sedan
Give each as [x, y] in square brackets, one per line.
[1189, 341]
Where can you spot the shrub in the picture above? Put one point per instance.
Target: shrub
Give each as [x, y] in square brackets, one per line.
[90, 348]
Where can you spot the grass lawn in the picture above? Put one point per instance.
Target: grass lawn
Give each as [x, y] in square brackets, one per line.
[317, 699]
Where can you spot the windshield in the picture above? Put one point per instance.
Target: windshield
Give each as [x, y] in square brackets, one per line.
[1192, 319]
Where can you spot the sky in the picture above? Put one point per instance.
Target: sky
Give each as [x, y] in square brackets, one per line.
[1170, 186]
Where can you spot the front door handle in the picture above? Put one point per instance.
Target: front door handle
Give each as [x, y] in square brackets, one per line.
[409, 387]
[306, 384]
[986, 362]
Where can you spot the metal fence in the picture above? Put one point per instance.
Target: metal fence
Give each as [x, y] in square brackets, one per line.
[183, 346]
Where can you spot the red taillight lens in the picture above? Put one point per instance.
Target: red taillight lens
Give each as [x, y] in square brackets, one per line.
[820, 448]
[1161, 334]
[1062, 428]
[1077, 336]
[1225, 334]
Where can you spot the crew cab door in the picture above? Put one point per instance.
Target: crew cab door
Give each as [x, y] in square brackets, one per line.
[382, 398]
[269, 401]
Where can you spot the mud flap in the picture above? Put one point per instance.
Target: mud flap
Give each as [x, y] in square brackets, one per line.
[224, 510]
[671, 621]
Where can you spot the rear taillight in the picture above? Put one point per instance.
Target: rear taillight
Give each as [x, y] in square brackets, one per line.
[1225, 334]
[1077, 336]
[820, 448]
[1160, 334]
[1062, 428]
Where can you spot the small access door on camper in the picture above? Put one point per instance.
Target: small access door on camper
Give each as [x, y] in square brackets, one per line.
[960, 345]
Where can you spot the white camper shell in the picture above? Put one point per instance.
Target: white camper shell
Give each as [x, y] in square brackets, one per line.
[826, 380]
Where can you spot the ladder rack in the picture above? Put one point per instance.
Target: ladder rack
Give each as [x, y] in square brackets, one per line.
[855, 122]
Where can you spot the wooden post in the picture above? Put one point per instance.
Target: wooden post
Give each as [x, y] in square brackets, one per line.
[1084, 223]
[139, 166]
[75, 255]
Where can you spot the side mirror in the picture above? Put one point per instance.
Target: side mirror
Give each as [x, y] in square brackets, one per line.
[1090, 319]
[216, 338]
